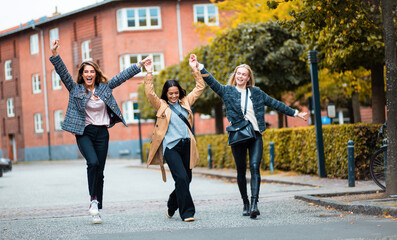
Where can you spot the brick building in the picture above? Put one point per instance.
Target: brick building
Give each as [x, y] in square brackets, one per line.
[112, 33]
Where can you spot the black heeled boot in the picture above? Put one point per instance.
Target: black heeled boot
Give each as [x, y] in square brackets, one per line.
[246, 209]
[254, 208]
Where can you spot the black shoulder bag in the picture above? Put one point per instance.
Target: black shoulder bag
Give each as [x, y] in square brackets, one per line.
[181, 116]
[242, 131]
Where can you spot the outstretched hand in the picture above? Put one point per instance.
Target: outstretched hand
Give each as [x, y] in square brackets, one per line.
[54, 47]
[302, 115]
[147, 62]
[193, 61]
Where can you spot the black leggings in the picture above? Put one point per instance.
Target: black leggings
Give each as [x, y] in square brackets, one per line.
[93, 145]
[255, 148]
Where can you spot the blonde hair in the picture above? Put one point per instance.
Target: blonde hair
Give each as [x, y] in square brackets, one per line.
[251, 80]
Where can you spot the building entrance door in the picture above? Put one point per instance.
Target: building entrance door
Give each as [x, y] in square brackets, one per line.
[12, 148]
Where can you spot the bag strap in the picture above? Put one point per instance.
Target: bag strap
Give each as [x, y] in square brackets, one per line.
[246, 101]
[181, 116]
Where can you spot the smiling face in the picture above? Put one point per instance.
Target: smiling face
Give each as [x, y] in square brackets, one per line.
[89, 75]
[242, 77]
[173, 94]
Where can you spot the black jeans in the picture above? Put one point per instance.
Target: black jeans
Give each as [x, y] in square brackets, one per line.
[255, 148]
[178, 160]
[93, 145]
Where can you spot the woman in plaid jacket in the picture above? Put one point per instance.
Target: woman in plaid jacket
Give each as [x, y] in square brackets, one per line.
[92, 109]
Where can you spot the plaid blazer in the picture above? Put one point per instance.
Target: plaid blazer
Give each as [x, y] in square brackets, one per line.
[74, 121]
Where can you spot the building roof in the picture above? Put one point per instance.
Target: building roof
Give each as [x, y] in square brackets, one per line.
[44, 20]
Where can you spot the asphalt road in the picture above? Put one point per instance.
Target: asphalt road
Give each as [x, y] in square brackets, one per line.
[49, 200]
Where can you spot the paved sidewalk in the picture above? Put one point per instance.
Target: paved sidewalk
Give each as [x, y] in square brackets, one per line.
[328, 192]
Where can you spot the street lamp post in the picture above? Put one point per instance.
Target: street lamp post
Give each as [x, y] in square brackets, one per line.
[317, 113]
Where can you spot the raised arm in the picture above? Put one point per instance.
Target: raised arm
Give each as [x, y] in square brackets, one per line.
[60, 67]
[198, 90]
[149, 87]
[127, 74]
[211, 81]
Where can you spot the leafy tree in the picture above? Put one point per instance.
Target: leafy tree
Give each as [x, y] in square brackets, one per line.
[347, 36]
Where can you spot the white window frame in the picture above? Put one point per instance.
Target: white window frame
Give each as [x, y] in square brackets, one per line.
[10, 107]
[122, 19]
[129, 112]
[38, 123]
[157, 62]
[8, 70]
[36, 83]
[58, 119]
[34, 44]
[86, 51]
[56, 81]
[54, 35]
[206, 16]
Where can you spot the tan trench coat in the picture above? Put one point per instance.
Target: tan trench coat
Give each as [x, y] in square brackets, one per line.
[163, 118]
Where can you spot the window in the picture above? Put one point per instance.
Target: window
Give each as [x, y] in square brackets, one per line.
[8, 69]
[10, 107]
[36, 83]
[38, 123]
[34, 44]
[206, 13]
[138, 18]
[157, 58]
[86, 50]
[58, 118]
[54, 35]
[130, 111]
[56, 81]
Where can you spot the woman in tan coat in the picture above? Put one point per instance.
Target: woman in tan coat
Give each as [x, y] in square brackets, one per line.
[173, 140]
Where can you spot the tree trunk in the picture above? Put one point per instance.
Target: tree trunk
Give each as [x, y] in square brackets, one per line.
[219, 118]
[356, 108]
[378, 93]
[280, 120]
[391, 84]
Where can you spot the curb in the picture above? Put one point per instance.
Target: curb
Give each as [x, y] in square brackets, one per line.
[368, 209]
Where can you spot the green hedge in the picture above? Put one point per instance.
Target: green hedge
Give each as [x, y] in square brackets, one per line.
[296, 150]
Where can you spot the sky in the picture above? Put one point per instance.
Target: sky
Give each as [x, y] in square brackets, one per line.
[15, 12]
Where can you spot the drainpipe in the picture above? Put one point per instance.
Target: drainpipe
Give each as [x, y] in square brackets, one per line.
[178, 18]
[45, 90]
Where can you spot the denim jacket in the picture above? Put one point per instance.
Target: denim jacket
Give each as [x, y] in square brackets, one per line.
[232, 99]
[74, 121]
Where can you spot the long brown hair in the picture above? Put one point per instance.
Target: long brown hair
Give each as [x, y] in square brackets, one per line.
[99, 76]
[251, 80]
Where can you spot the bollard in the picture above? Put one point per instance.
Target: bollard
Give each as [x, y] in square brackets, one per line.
[271, 148]
[350, 163]
[209, 157]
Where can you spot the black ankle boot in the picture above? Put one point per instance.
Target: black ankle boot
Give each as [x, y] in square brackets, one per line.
[254, 208]
[246, 210]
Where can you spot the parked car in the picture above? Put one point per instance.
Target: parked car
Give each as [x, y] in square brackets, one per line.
[5, 165]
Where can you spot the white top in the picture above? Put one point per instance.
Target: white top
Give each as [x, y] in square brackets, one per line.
[250, 115]
[96, 112]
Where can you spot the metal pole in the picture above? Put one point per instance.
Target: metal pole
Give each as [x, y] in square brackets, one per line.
[209, 157]
[317, 113]
[271, 166]
[45, 94]
[140, 136]
[350, 163]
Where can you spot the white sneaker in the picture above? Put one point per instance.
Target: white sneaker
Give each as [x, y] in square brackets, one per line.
[94, 208]
[96, 219]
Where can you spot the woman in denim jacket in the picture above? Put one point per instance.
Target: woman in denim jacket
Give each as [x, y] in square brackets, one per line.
[242, 82]
[92, 109]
